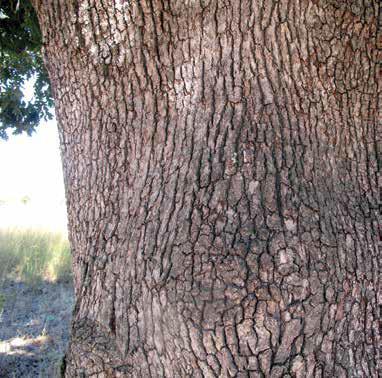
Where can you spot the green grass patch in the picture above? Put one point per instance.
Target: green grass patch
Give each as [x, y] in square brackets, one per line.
[34, 255]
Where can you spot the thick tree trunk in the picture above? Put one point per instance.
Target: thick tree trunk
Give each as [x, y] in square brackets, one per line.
[220, 162]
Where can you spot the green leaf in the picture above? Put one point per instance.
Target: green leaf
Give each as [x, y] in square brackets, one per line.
[20, 60]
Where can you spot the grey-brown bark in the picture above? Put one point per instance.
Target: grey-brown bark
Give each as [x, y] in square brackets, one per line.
[220, 162]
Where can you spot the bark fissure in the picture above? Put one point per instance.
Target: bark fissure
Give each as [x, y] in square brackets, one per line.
[219, 162]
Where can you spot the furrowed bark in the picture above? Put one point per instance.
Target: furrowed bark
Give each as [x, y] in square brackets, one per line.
[220, 162]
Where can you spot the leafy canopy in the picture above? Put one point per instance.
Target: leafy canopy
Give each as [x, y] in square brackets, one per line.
[21, 60]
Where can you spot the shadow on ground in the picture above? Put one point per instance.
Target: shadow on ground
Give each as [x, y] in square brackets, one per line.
[34, 328]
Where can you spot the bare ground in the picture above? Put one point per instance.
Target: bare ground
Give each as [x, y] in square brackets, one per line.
[34, 328]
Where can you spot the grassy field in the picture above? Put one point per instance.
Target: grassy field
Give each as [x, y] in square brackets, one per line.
[32, 256]
[36, 302]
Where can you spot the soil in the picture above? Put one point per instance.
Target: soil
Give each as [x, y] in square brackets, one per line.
[34, 328]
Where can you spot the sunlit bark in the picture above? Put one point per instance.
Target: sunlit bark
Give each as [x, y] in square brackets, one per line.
[220, 162]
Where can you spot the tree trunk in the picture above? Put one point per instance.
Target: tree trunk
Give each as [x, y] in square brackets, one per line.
[220, 162]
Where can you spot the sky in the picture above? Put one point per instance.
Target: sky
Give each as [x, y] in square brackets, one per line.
[31, 167]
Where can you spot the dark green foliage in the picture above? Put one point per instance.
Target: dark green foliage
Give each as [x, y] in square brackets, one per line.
[20, 60]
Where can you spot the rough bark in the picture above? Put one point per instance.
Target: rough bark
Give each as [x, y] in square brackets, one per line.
[220, 161]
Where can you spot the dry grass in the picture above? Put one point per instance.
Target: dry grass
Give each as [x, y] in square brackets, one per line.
[36, 301]
[34, 255]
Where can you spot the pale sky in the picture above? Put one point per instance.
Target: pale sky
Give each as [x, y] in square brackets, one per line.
[31, 166]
